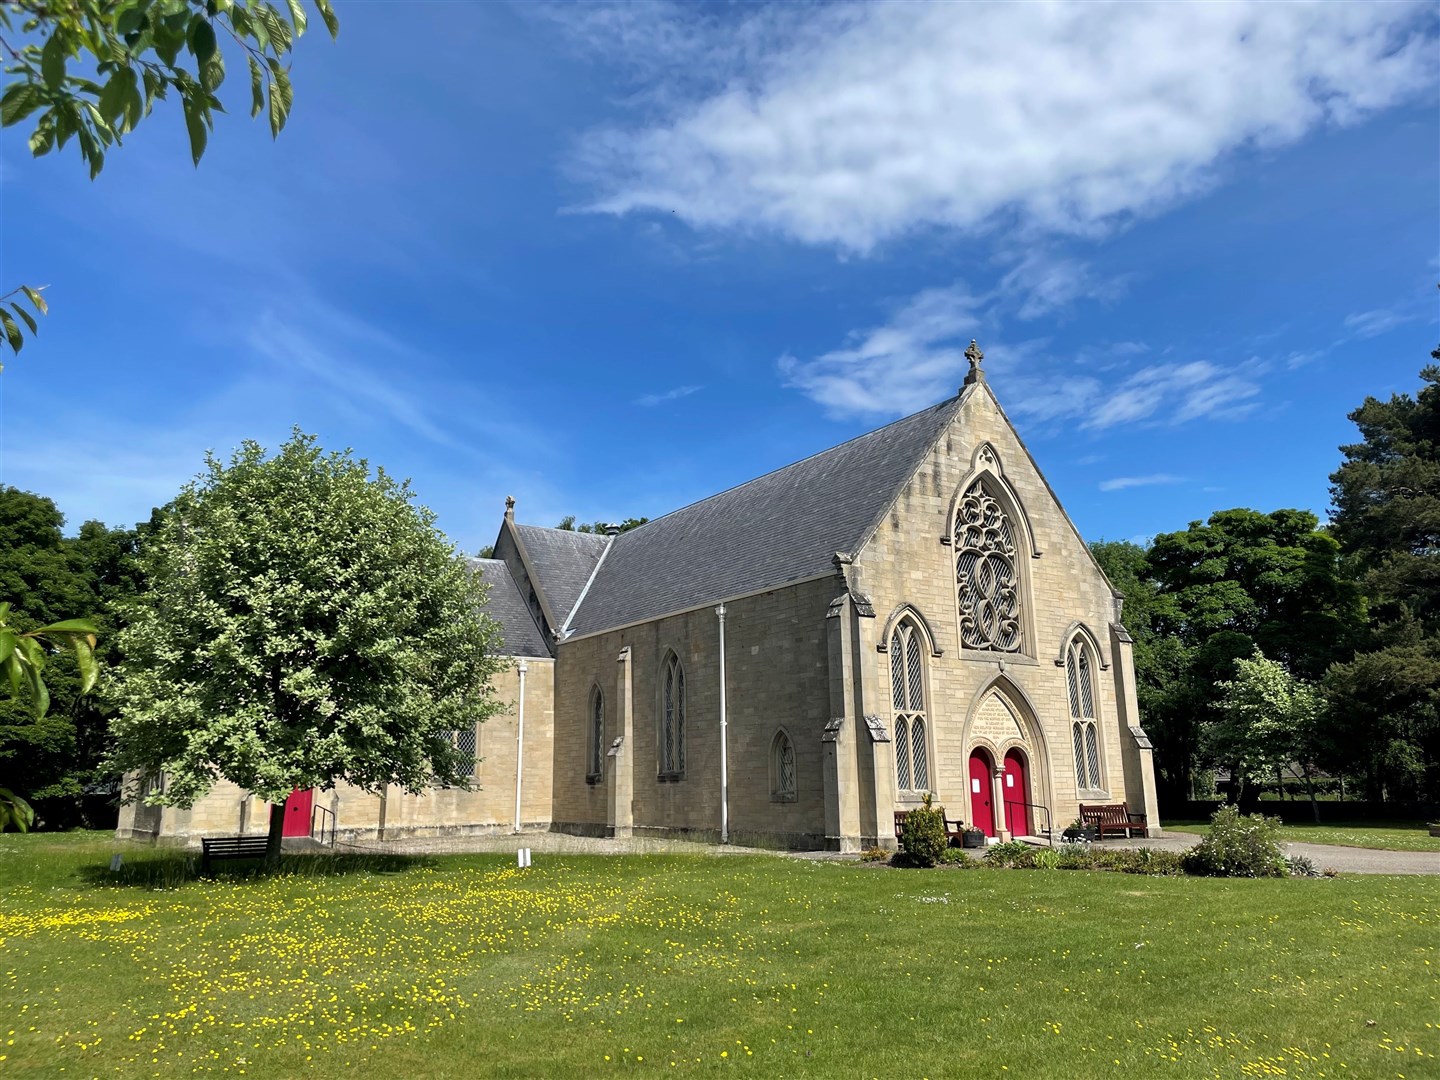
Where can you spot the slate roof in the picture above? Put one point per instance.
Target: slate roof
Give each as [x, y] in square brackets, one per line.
[562, 562]
[508, 608]
[781, 527]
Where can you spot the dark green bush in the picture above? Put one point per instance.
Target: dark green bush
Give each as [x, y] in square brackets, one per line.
[954, 856]
[1238, 846]
[922, 837]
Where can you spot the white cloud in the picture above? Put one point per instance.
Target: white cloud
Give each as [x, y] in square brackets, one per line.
[918, 358]
[650, 400]
[1045, 283]
[1120, 483]
[1368, 324]
[914, 360]
[855, 124]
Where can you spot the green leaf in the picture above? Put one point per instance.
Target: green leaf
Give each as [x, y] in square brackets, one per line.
[134, 106]
[33, 295]
[195, 125]
[280, 36]
[42, 138]
[52, 61]
[257, 88]
[202, 39]
[112, 98]
[328, 14]
[297, 16]
[282, 95]
[68, 626]
[129, 20]
[7, 644]
[12, 332]
[26, 318]
[212, 71]
[19, 101]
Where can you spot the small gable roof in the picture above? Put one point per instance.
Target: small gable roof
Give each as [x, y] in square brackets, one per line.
[508, 608]
[561, 562]
[784, 526]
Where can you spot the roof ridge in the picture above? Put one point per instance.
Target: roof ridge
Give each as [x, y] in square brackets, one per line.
[791, 465]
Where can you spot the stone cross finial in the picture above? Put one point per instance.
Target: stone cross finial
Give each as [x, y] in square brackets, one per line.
[510, 506]
[974, 355]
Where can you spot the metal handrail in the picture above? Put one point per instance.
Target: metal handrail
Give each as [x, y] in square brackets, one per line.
[317, 811]
[1049, 824]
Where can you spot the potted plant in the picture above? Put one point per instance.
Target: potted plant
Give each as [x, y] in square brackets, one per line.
[1078, 831]
[972, 837]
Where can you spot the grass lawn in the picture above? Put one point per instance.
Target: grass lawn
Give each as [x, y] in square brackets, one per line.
[1386, 835]
[463, 966]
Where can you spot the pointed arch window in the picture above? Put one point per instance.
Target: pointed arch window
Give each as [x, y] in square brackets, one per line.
[782, 768]
[985, 573]
[595, 771]
[907, 699]
[1084, 725]
[672, 720]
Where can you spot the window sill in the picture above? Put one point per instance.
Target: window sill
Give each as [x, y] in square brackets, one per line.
[782, 798]
[910, 795]
[1092, 795]
[670, 777]
[595, 778]
[991, 656]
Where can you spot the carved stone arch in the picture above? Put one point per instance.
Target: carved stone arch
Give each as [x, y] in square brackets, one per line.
[1027, 718]
[985, 464]
[913, 613]
[1079, 627]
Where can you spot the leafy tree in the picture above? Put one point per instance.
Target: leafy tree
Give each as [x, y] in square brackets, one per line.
[305, 625]
[92, 70]
[1268, 720]
[567, 524]
[1386, 514]
[52, 754]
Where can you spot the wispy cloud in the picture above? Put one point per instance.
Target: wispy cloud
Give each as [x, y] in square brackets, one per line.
[1044, 283]
[651, 400]
[1178, 392]
[1368, 324]
[1120, 483]
[914, 359]
[853, 125]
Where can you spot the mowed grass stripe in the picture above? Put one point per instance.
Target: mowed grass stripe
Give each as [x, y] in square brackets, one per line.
[583, 966]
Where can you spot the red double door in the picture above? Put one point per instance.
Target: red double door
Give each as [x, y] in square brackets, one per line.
[297, 812]
[1014, 787]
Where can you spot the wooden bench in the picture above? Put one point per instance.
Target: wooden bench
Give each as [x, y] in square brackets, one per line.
[1112, 818]
[954, 827]
[220, 848]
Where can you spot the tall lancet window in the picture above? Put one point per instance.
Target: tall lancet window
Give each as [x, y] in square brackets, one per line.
[1084, 730]
[985, 574]
[672, 720]
[597, 736]
[907, 697]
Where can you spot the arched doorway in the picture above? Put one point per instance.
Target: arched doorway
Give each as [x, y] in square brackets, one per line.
[982, 812]
[1016, 789]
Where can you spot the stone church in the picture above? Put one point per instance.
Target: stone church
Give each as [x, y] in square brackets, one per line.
[790, 663]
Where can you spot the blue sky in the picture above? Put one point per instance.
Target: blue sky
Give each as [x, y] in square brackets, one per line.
[612, 259]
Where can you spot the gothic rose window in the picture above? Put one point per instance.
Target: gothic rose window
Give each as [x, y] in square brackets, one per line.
[985, 574]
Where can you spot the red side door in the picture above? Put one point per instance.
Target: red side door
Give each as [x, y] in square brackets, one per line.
[982, 814]
[297, 812]
[1016, 787]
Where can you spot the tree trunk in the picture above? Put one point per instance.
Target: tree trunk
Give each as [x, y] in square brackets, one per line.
[277, 829]
[1310, 787]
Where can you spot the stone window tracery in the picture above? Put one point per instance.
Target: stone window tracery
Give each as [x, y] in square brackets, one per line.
[596, 741]
[672, 720]
[1084, 725]
[985, 573]
[782, 768]
[907, 698]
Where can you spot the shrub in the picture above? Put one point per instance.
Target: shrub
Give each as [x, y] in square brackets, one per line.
[922, 837]
[954, 856]
[1046, 859]
[1014, 853]
[874, 854]
[1238, 846]
[1300, 866]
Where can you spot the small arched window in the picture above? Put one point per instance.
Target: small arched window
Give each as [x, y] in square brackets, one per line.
[907, 699]
[1084, 725]
[782, 768]
[596, 741]
[986, 577]
[672, 720]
